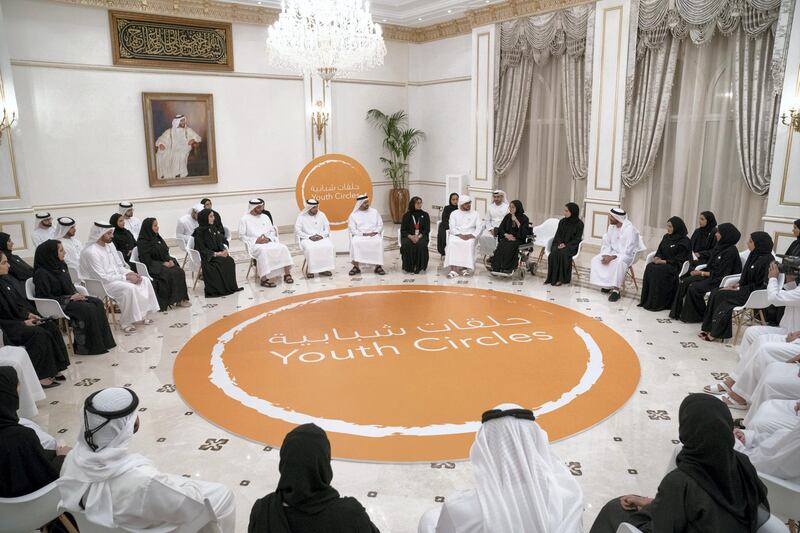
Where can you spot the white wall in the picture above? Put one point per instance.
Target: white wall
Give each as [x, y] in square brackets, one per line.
[438, 104]
[80, 123]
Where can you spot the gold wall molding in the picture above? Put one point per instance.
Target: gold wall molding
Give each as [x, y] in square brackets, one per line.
[263, 16]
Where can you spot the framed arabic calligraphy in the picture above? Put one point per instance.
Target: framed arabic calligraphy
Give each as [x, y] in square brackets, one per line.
[156, 41]
[179, 136]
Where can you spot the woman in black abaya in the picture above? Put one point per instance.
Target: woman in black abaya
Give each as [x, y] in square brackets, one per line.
[689, 304]
[703, 238]
[87, 314]
[304, 500]
[565, 245]
[25, 466]
[713, 488]
[444, 223]
[219, 268]
[512, 232]
[415, 229]
[18, 268]
[660, 280]
[124, 241]
[718, 317]
[21, 327]
[169, 279]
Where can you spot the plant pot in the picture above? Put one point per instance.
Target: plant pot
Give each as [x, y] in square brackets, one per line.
[398, 204]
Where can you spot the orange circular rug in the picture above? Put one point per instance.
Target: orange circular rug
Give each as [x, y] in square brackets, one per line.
[401, 374]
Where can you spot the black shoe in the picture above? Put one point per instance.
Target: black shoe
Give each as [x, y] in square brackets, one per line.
[53, 384]
[739, 423]
[614, 296]
[60, 377]
[605, 291]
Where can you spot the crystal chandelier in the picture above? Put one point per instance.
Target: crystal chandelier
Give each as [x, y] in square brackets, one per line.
[328, 37]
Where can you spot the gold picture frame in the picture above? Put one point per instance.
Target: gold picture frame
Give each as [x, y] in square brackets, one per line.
[180, 139]
[156, 41]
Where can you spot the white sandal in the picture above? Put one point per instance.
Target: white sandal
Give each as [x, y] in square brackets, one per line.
[717, 389]
[733, 404]
[129, 329]
[147, 321]
[452, 274]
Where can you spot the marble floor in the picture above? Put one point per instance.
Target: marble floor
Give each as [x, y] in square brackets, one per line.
[626, 453]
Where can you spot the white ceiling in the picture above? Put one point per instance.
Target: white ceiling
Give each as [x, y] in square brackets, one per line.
[414, 13]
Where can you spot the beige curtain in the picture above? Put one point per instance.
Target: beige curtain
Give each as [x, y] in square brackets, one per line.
[757, 108]
[511, 108]
[646, 112]
[541, 174]
[576, 113]
[697, 167]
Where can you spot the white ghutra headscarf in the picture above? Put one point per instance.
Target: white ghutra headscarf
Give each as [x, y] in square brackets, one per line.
[85, 473]
[522, 485]
[311, 203]
[99, 228]
[360, 201]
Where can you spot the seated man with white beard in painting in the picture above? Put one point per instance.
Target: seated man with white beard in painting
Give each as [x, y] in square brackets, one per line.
[173, 148]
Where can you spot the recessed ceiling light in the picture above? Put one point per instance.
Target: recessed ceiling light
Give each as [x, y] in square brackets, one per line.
[449, 10]
[419, 18]
[384, 20]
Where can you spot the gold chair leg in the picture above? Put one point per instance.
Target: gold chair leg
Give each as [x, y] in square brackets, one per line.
[67, 524]
[575, 268]
[185, 258]
[794, 526]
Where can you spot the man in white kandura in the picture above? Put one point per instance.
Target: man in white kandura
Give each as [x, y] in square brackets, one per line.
[173, 148]
[133, 293]
[65, 232]
[520, 484]
[787, 297]
[366, 236]
[132, 223]
[495, 214]
[772, 439]
[260, 236]
[465, 226]
[120, 490]
[186, 225]
[313, 233]
[620, 244]
[44, 229]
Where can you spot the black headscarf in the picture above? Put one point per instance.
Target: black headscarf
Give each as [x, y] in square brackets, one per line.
[679, 230]
[146, 232]
[573, 209]
[306, 474]
[729, 236]
[794, 248]
[9, 398]
[413, 203]
[202, 220]
[448, 209]
[18, 268]
[702, 238]
[46, 257]
[708, 457]
[124, 240]
[51, 274]
[762, 249]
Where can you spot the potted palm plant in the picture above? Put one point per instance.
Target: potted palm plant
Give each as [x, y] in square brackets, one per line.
[399, 142]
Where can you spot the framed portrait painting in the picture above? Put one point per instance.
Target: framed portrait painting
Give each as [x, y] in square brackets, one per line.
[179, 136]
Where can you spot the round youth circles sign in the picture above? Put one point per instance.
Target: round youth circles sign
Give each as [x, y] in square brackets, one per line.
[335, 180]
[401, 374]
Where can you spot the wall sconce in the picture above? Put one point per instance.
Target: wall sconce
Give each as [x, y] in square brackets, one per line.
[792, 119]
[5, 124]
[319, 118]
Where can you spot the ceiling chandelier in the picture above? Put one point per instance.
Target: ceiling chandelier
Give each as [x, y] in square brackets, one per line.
[328, 37]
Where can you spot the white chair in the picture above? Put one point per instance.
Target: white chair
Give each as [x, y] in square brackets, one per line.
[228, 233]
[574, 265]
[195, 265]
[205, 515]
[753, 309]
[32, 511]
[253, 261]
[96, 288]
[140, 267]
[627, 528]
[650, 257]
[636, 257]
[30, 390]
[743, 256]
[684, 269]
[48, 308]
[783, 498]
[74, 276]
[544, 234]
[399, 238]
[183, 244]
[729, 281]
